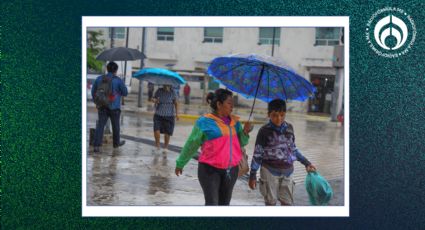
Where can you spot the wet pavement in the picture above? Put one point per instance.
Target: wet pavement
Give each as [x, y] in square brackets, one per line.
[134, 175]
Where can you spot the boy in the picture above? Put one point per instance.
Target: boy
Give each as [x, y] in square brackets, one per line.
[275, 152]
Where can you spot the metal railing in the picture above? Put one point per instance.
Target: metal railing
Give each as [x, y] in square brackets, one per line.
[266, 41]
[213, 39]
[327, 42]
[161, 37]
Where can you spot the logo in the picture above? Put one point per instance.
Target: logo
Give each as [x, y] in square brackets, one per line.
[391, 32]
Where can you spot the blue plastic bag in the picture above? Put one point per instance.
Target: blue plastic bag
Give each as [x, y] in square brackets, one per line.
[318, 189]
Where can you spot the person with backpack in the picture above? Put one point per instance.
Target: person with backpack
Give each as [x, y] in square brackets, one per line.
[107, 91]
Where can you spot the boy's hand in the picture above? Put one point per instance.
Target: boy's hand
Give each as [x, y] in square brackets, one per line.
[247, 127]
[178, 171]
[310, 168]
[252, 183]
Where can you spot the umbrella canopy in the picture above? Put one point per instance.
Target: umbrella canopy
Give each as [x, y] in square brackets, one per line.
[120, 54]
[261, 77]
[159, 76]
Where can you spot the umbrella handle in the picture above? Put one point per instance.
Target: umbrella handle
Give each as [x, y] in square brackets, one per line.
[256, 91]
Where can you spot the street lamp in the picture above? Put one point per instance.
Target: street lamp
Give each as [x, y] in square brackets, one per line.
[274, 34]
[142, 64]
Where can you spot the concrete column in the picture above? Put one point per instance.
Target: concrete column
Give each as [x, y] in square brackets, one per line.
[142, 64]
[307, 103]
[338, 93]
[204, 94]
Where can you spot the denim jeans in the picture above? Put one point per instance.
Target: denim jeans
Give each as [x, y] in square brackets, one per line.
[216, 184]
[104, 114]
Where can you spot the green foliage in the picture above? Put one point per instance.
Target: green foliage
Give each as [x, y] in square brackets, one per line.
[95, 46]
[92, 63]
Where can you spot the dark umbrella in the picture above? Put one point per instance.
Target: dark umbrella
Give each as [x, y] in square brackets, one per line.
[260, 77]
[120, 54]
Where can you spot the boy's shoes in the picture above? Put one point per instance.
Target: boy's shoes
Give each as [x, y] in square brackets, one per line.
[96, 149]
[120, 144]
[164, 151]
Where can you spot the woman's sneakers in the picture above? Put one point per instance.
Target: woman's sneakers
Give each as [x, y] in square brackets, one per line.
[158, 151]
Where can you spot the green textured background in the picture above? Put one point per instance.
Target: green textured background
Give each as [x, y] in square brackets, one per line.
[41, 116]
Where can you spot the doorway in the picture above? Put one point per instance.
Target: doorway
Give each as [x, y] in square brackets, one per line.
[322, 100]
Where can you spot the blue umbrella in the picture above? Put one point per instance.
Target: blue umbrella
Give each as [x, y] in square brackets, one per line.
[261, 77]
[159, 76]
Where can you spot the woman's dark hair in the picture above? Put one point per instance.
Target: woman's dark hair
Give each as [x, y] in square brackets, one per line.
[220, 95]
[112, 67]
[277, 105]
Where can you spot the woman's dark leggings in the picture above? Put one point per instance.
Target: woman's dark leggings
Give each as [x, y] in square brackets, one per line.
[216, 184]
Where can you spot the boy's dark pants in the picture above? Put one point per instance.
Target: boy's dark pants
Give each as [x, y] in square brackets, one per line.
[215, 183]
[104, 114]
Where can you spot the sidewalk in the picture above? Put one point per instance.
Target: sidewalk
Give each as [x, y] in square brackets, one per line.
[133, 175]
[196, 108]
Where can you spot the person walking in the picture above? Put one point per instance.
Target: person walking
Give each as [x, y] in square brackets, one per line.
[274, 153]
[151, 88]
[176, 89]
[116, 90]
[166, 112]
[186, 92]
[221, 136]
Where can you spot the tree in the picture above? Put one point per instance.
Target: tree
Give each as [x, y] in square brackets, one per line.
[95, 46]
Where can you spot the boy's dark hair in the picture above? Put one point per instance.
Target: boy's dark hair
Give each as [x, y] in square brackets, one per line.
[277, 105]
[220, 95]
[112, 67]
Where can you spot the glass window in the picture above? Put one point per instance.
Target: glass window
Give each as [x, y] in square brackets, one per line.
[213, 34]
[119, 32]
[327, 36]
[165, 34]
[266, 35]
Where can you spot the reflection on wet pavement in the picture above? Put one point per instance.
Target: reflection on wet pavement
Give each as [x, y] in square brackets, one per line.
[134, 175]
[159, 178]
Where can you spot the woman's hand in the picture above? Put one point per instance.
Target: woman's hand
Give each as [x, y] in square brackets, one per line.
[178, 171]
[247, 127]
[177, 117]
[252, 183]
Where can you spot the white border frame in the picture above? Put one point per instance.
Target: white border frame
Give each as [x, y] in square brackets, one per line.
[228, 211]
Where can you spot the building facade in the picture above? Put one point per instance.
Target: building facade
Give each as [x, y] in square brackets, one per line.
[188, 51]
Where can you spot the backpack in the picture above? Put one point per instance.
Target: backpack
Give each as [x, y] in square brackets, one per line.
[103, 92]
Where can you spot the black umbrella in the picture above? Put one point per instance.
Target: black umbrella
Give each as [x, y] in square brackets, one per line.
[120, 54]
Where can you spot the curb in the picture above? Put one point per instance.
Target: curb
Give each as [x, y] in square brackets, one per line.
[195, 117]
[191, 117]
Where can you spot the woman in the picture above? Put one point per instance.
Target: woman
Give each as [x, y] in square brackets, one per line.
[166, 112]
[220, 136]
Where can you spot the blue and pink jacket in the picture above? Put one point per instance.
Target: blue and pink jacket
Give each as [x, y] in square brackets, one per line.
[220, 143]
